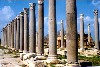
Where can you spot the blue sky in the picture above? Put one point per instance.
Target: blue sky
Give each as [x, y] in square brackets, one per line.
[10, 8]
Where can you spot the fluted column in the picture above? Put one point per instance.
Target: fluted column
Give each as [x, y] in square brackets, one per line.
[15, 29]
[26, 30]
[18, 34]
[21, 31]
[96, 23]
[89, 35]
[32, 29]
[82, 31]
[71, 32]
[40, 50]
[62, 34]
[52, 30]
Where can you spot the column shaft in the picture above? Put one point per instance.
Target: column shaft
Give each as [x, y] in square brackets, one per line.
[89, 34]
[15, 29]
[18, 34]
[21, 31]
[40, 50]
[62, 34]
[96, 23]
[32, 29]
[52, 30]
[82, 31]
[26, 31]
[71, 32]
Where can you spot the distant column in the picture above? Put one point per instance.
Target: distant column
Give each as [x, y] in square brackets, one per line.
[62, 34]
[26, 30]
[12, 34]
[52, 31]
[8, 35]
[71, 32]
[81, 31]
[21, 31]
[96, 29]
[15, 29]
[18, 34]
[32, 29]
[40, 50]
[89, 35]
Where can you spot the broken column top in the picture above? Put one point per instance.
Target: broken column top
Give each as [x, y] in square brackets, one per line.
[81, 15]
[61, 21]
[32, 4]
[96, 12]
[21, 13]
[40, 1]
[17, 17]
[89, 24]
[26, 10]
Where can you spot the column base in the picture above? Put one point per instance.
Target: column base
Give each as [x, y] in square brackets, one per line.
[52, 59]
[24, 51]
[40, 57]
[72, 65]
[20, 51]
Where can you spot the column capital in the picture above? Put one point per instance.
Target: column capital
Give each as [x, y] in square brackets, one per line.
[40, 2]
[89, 25]
[95, 12]
[21, 13]
[26, 10]
[32, 5]
[82, 16]
[17, 17]
[61, 21]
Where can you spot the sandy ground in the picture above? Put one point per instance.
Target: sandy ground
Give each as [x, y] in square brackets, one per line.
[8, 60]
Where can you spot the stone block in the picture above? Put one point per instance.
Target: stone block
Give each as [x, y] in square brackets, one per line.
[29, 55]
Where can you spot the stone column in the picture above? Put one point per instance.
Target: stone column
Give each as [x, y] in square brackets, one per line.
[52, 57]
[5, 37]
[40, 50]
[82, 31]
[21, 31]
[2, 37]
[71, 32]
[8, 34]
[15, 29]
[12, 34]
[96, 29]
[18, 34]
[32, 29]
[89, 35]
[26, 31]
[62, 34]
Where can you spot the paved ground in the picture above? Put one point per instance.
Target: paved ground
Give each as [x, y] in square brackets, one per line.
[9, 60]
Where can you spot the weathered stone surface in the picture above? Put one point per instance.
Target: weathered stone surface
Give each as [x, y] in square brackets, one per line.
[89, 34]
[40, 46]
[21, 31]
[15, 29]
[71, 32]
[18, 34]
[32, 29]
[26, 31]
[62, 34]
[52, 32]
[28, 56]
[82, 31]
[96, 26]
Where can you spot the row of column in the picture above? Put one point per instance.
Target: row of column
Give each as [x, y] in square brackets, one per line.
[96, 30]
[25, 35]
